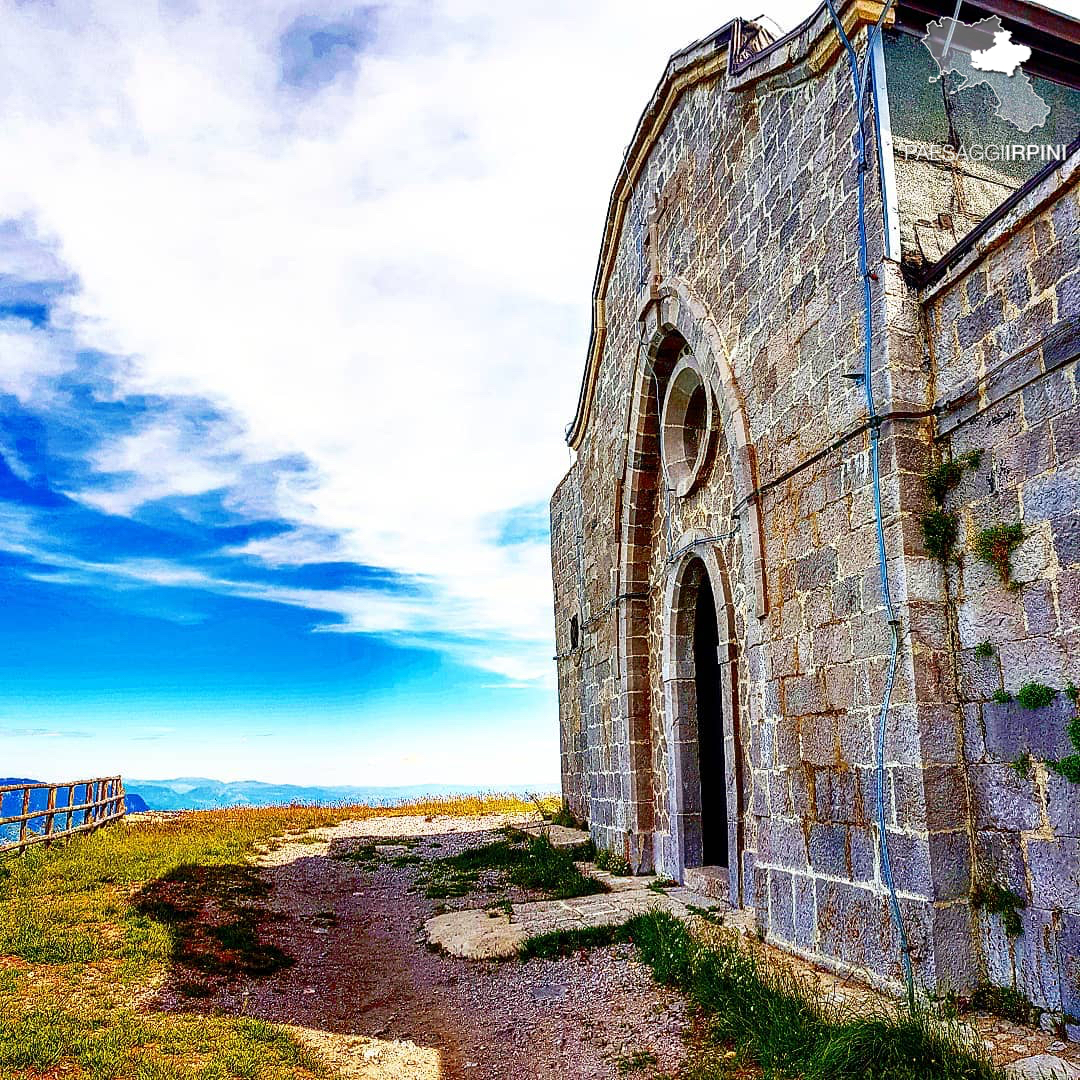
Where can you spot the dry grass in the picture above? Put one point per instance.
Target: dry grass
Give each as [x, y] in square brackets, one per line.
[82, 950]
[455, 806]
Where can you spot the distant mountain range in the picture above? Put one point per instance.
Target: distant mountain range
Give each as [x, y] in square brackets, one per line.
[199, 793]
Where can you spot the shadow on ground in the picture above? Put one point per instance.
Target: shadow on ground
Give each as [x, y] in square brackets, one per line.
[329, 939]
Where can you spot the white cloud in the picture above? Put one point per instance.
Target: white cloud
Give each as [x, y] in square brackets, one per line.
[389, 276]
[29, 358]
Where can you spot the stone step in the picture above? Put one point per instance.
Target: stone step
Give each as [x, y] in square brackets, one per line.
[711, 881]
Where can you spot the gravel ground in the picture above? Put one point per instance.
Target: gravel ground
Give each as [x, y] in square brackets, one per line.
[368, 994]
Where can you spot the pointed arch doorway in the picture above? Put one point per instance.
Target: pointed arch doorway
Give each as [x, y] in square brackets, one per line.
[702, 724]
[710, 729]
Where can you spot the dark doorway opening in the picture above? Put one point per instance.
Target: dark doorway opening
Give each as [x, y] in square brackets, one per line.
[710, 723]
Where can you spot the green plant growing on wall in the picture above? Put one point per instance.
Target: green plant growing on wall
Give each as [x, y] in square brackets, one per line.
[940, 481]
[995, 546]
[1022, 766]
[1069, 766]
[998, 900]
[1035, 695]
[940, 528]
[1001, 697]
[984, 650]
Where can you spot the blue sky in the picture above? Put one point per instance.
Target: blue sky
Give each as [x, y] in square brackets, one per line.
[294, 300]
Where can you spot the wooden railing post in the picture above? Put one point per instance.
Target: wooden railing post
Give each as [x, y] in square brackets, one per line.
[22, 824]
[50, 813]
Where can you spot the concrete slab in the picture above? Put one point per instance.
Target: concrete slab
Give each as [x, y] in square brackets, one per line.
[481, 934]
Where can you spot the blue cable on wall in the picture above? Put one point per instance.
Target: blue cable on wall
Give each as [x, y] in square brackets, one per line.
[859, 80]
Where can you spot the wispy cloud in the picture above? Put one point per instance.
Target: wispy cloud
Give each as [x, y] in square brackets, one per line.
[327, 268]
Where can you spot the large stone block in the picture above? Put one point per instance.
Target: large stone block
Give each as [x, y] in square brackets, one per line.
[1051, 495]
[834, 794]
[1003, 799]
[1065, 529]
[1011, 729]
[950, 864]
[1063, 804]
[782, 843]
[1070, 963]
[805, 911]
[854, 925]
[1038, 958]
[828, 850]
[781, 912]
[1055, 872]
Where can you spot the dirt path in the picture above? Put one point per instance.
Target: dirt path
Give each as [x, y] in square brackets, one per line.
[368, 994]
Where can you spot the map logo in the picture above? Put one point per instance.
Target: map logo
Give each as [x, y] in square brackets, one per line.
[984, 52]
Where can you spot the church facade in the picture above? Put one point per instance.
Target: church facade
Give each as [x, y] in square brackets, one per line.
[743, 698]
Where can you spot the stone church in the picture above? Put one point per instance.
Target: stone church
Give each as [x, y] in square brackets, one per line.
[743, 697]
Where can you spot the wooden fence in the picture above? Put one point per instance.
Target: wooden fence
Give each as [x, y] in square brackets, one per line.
[103, 802]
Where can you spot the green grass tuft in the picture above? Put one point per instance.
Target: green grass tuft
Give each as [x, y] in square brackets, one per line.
[1006, 1002]
[1035, 695]
[565, 817]
[565, 942]
[769, 1017]
[985, 650]
[530, 862]
[1022, 765]
[998, 900]
[619, 865]
[1069, 767]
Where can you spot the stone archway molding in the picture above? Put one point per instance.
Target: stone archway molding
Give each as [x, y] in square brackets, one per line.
[701, 558]
[676, 309]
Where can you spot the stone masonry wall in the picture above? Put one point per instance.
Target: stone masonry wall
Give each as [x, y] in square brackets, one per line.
[752, 183]
[1004, 335]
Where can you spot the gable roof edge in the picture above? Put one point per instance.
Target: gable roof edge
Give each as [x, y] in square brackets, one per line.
[814, 41]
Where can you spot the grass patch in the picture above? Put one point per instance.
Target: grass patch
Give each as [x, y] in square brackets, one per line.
[1033, 695]
[940, 530]
[566, 942]
[564, 816]
[214, 915]
[153, 1047]
[1022, 765]
[93, 923]
[1069, 766]
[769, 1017]
[531, 862]
[1006, 1002]
[941, 480]
[104, 916]
[638, 1061]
